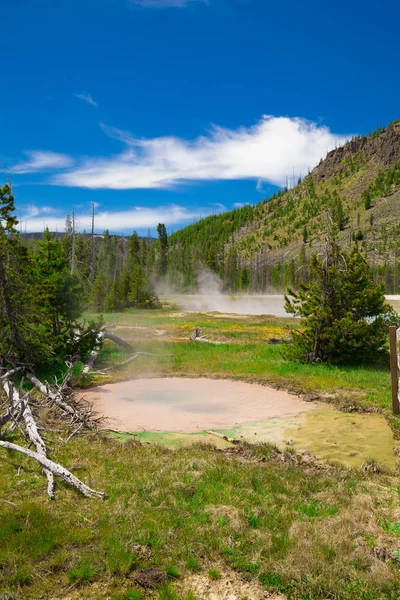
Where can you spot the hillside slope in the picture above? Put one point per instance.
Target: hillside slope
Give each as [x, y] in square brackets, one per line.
[269, 245]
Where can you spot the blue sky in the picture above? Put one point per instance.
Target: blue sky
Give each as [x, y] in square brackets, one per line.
[168, 110]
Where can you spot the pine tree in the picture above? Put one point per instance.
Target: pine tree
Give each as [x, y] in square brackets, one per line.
[163, 249]
[344, 312]
[99, 292]
[60, 294]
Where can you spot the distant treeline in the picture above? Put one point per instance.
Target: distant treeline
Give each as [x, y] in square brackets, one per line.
[115, 272]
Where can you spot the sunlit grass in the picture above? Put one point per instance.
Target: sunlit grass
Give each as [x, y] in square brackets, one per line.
[309, 533]
[186, 510]
[242, 352]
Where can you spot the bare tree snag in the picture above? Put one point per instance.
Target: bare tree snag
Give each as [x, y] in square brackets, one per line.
[94, 353]
[56, 469]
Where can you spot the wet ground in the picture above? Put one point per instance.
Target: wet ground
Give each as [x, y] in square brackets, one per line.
[177, 411]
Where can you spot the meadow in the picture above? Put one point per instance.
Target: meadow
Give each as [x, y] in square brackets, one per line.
[250, 520]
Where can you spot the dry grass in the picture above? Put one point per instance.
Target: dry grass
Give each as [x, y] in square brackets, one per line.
[263, 518]
[269, 523]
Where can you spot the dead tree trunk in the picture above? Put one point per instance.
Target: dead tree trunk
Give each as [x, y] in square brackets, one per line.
[56, 398]
[56, 469]
[117, 340]
[32, 431]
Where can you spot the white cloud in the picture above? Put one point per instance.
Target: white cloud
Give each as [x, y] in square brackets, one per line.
[86, 98]
[39, 160]
[267, 151]
[165, 3]
[37, 219]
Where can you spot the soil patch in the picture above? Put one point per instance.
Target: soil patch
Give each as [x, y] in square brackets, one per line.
[230, 586]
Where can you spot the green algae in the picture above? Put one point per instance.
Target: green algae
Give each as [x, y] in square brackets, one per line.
[173, 440]
[346, 438]
[350, 439]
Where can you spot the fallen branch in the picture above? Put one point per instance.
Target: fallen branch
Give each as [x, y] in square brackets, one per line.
[10, 373]
[56, 469]
[31, 429]
[94, 353]
[133, 357]
[117, 340]
[224, 437]
[57, 398]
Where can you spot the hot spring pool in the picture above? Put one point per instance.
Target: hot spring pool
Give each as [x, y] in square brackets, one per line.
[176, 411]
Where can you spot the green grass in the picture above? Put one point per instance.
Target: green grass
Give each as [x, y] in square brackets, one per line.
[292, 527]
[249, 358]
[305, 531]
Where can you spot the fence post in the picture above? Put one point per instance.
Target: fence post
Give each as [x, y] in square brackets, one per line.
[394, 370]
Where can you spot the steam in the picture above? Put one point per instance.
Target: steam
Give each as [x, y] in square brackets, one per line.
[210, 298]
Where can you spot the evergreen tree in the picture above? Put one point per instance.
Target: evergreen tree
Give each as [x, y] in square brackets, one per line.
[140, 294]
[13, 277]
[344, 312]
[163, 249]
[99, 292]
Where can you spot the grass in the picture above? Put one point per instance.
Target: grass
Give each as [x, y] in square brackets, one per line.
[306, 531]
[248, 357]
[299, 530]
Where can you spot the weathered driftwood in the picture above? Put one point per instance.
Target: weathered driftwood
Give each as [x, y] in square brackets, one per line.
[31, 429]
[55, 468]
[224, 437]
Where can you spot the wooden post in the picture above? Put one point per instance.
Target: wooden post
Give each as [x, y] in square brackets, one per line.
[394, 370]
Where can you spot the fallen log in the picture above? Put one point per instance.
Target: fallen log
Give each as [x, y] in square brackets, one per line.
[56, 469]
[117, 340]
[31, 429]
[94, 353]
[224, 437]
[133, 357]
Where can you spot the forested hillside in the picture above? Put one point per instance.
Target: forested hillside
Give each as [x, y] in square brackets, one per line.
[268, 246]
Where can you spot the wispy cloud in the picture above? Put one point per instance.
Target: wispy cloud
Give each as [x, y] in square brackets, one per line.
[166, 3]
[87, 98]
[40, 160]
[37, 218]
[267, 151]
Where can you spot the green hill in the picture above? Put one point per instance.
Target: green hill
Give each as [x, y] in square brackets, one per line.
[268, 246]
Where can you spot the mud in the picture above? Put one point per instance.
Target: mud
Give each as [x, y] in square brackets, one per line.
[178, 405]
[177, 412]
[347, 438]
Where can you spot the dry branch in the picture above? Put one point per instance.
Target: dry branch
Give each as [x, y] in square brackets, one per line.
[56, 469]
[94, 353]
[133, 357]
[31, 429]
[57, 398]
[117, 340]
